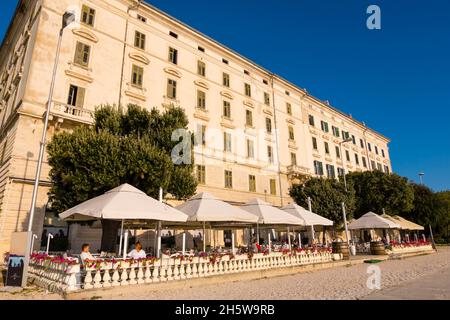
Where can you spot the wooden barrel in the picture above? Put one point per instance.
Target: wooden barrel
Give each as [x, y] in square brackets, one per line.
[342, 247]
[377, 248]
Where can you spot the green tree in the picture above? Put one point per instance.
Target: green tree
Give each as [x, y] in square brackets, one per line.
[327, 196]
[376, 191]
[132, 147]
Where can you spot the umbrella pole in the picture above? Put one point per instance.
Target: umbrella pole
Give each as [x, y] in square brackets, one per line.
[155, 239]
[125, 244]
[270, 242]
[232, 242]
[300, 239]
[121, 238]
[204, 237]
[289, 238]
[257, 233]
[184, 242]
[158, 253]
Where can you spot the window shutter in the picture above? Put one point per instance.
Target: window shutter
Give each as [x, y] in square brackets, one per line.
[79, 53]
[80, 97]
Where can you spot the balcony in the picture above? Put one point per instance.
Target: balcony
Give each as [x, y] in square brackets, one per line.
[60, 112]
[294, 171]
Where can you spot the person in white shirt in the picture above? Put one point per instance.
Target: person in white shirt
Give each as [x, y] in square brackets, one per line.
[85, 254]
[137, 252]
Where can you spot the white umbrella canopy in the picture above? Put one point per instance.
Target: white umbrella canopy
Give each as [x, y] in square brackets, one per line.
[268, 214]
[204, 207]
[309, 218]
[124, 203]
[373, 221]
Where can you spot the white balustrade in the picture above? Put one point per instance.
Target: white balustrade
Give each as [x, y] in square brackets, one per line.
[67, 278]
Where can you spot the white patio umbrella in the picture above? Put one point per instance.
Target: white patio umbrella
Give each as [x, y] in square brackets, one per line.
[204, 207]
[124, 203]
[309, 218]
[372, 221]
[269, 215]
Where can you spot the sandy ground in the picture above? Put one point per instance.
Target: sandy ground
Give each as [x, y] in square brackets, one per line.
[337, 283]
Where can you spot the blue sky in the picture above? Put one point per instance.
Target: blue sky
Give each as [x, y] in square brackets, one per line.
[396, 80]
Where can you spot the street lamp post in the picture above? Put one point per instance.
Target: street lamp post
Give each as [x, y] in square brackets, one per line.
[67, 19]
[421, 174]
[344, 214]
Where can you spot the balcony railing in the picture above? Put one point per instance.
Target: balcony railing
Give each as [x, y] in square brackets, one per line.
[294, 170]
[69, 112]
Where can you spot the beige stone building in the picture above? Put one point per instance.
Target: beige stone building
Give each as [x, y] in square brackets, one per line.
[256, 130]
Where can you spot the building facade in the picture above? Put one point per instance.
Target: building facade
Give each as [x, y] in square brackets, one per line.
[256, 132]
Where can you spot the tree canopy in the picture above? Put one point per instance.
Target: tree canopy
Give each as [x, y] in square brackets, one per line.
[327, 196]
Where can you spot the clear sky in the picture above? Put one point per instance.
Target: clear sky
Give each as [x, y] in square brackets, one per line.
[396, 80]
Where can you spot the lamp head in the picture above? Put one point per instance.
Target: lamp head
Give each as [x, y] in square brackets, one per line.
[68, 18]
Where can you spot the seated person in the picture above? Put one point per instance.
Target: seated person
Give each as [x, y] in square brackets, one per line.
[85, 254]
[137, 252]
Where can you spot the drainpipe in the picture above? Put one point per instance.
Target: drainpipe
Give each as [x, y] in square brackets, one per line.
[277, 143]
[130, 8]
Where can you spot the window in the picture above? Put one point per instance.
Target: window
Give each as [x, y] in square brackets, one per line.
[289, 108]
[228, 179]
[201, 100]
[171, 89]
[293, 159]
[376, 150]
[226, 80]
[336, 132]
[347, 155]
[250, 149]
[266, 99]
[369, 146]
[372, 163]
[173, 55]
[356, 159]
[201, 174]
[225, 61]
[386, 169]
[327, 148]
[314, 143]
[345, 135]
[331, 173]
[361, 143]
[379, 167]
[139, 40]
[341, 172]
[87, 16]
[246, 72]
[353, 140]
[248, 118]
[201, 135]
[141, 18]
[338, 152]
[270, 154]
[287, 93]
[201, 49]
[137, 76]
[382, 153]
[273, 187]
[311, 120]
[251, 183]
[364, 161]
[76, 96]
[173, 34]
[201, 68]
[269, 125]
[82, 54]
[291, 133]
[227, 109]
[248, 90]
[324, 126]
[318, 168]
[265, 82]
[227, 142]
